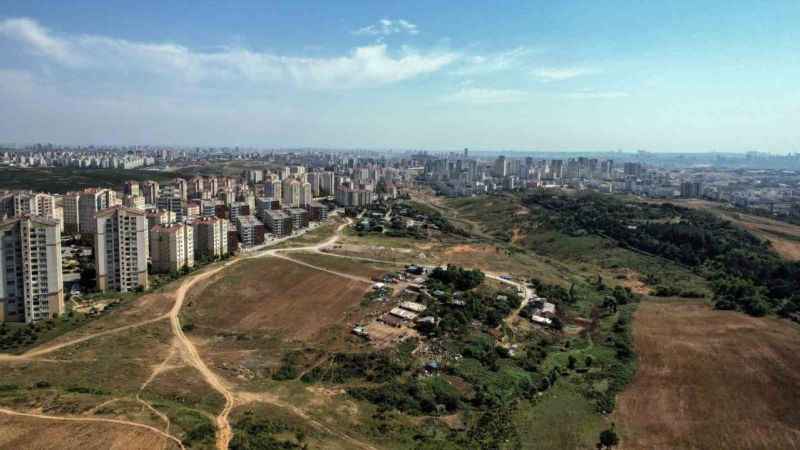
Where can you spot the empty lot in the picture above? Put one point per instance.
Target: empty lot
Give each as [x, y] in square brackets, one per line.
[271, 295]
[711, 379]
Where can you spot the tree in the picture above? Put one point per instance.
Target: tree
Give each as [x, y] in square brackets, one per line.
[571, 362]
[608, 438]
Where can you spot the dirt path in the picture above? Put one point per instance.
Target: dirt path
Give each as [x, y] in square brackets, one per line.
[317, 248]
[247, 397]
[53, 348]
[95, 419]
[224, 431]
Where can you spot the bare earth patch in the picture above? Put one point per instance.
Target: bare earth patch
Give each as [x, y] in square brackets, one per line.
[278, 295]
[710, 380]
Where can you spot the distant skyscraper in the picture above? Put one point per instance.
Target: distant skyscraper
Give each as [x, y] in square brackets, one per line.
[501, 166]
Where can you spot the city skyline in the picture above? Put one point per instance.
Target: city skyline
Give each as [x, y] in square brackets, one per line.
[683, 77]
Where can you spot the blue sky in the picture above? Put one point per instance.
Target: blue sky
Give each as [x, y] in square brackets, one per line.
[527, 75]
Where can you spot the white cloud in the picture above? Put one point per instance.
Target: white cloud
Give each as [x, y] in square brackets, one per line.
[362, 66]
[597, 95]
[385, 27]
[493, 62]
[38, 37]
[560, 74]
[485, 96]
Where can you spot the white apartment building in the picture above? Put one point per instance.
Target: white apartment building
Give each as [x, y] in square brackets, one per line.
[134, 201]
[210, 237]
[40, 204]
[273, 188]
[31, 282]
[121, 249]
[291, 193]
[171, 247]
[306, 194]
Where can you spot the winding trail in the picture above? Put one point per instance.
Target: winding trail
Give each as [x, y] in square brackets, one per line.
[95, 419]
[224, 431]
[50, 349]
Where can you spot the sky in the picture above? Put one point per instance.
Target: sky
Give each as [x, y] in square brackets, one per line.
[531, 75]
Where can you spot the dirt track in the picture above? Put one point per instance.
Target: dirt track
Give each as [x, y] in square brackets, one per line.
[224, 432]
[94, 420]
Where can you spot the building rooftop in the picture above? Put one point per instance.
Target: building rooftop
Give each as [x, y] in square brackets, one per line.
[248, 220]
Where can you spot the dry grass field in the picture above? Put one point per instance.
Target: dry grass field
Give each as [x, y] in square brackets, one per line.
[276, 296]
[360, 268]
[33, 433]
[711, 380]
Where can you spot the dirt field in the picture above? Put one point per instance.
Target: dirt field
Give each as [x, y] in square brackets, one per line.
[366, 269]
[711, 380]
[271, 294]
[33, 433]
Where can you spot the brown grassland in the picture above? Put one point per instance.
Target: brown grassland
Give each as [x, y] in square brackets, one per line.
[275, 295]
[33, 433]
[711, 379]
[246, 322]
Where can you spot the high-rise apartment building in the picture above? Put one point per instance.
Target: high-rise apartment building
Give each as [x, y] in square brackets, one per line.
[314, 179]
[273, 188]
[28, 203]
[71, 215]
[121, 249]
[251, 230]
[131, 187]
[327, 183]
[501, 166]
[306, 194]
[291, 193]
[299, 218]
[31, 281]
[210, 237]
[150, 190]
[91, 201]
[171, 247]
[278, 223]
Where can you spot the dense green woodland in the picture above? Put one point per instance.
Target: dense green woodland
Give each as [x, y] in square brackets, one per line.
[746, 274]
[59, 180]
